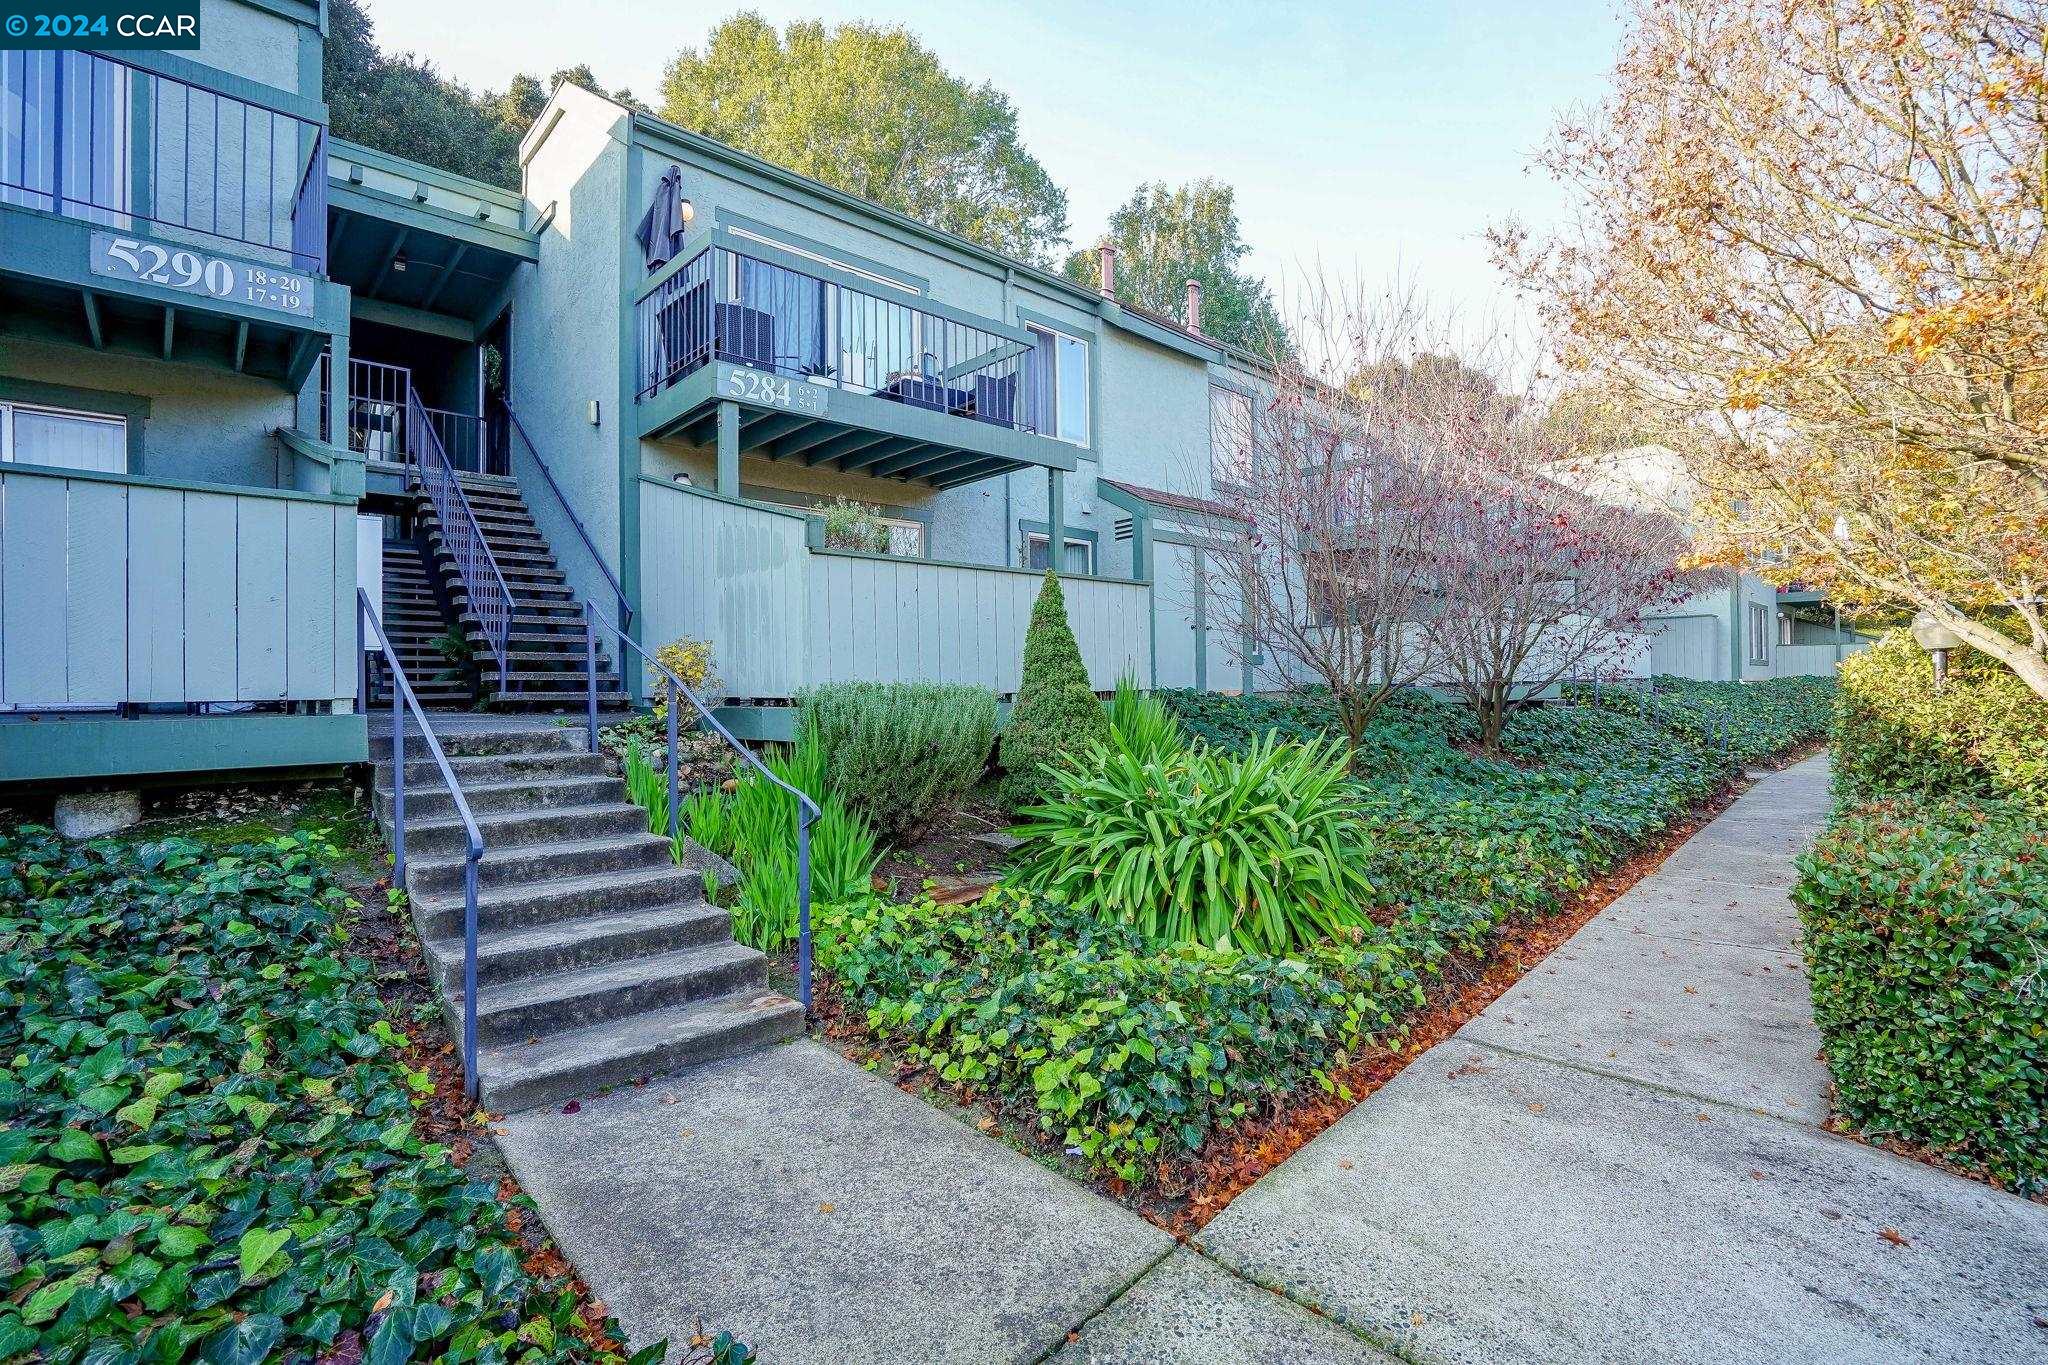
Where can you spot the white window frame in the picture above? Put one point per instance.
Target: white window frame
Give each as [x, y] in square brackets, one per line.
[9, 407]
[1087, 369]
[1250, 443]
[896, 524]
[1759, 633]
[1086, 546]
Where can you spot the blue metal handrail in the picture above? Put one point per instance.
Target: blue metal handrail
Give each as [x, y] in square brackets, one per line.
[490, 599]
[401, 690]
[511, 426]
[92, 136]
[807, 809]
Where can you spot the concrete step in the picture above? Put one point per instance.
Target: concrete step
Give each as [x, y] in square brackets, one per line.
[540, 1006]
[494, 797]
[548, 949]
[468, 741]
[527, 905]
[611, 853]
[424, 772]
[442, 836]
[583, 1061]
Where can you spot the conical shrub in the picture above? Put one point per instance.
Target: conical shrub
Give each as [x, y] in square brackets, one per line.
[1056, 711]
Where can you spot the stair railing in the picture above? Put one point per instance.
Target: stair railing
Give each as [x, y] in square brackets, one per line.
[473, 851]
[509, 428]
[807, 809]
[490, 600]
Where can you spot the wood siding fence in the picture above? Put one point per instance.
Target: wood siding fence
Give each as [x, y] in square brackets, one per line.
[118, 590]
[782, 616]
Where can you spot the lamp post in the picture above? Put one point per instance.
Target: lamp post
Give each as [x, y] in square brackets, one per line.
[1937, 639]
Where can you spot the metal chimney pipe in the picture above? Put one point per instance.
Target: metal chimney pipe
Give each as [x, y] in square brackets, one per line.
[1194, 313]
[1106, 255]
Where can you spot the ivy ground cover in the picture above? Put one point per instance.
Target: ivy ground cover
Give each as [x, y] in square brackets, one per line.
[208, 1146]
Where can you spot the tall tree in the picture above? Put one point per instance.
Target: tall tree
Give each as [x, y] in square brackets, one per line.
[1166, 237]
[1809, 246]
[868, 109]
[401, 104]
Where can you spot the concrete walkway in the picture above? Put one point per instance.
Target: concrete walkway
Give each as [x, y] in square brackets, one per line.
[1620, 1159]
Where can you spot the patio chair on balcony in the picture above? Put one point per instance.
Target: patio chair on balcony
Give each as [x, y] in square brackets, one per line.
[995, 400]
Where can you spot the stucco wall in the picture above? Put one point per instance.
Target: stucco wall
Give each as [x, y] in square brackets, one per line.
[252, 43]
[566, 331]
[208, 425]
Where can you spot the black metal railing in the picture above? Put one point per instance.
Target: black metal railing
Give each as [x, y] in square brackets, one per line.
[93, 137]
[725, 305]
[807, 809]
[405, 705]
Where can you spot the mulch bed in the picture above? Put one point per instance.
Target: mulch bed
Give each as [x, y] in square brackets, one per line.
[949, 853]
[1185, 1195]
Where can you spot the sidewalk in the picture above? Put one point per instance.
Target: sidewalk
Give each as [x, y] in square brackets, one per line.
[1621, 1159]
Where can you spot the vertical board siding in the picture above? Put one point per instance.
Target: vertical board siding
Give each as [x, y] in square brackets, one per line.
[1809, 661]
[732, 575]
[781, 617]
[128, 592]
[1688, 647]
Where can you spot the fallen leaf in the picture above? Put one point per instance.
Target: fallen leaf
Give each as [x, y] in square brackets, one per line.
[686, 1132]
[1894, 1236]
[383, 1301]
[1832, 1214]
[1703, 1118]
[825, 1207]
[1343, 1163]
[1536, 1108]
[1756, 1175]
[986, 1124]
[573, 1107]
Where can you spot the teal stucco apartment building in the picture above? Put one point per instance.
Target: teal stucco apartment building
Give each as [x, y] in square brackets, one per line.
[248, 370]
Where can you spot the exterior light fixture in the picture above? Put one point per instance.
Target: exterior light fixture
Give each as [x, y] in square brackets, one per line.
[687, 211]
[1937, 639]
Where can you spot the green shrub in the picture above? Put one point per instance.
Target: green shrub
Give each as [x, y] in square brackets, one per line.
[1056, 711]
[1234, 722]
[1121, 1051]
[1262, 851]
[1141, 726]
[902, 753]
[1984, 734]
[207, 1135]
[1755, 721]
[1926, 940]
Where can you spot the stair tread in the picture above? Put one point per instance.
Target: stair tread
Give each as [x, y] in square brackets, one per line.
[559, 848]
[510, 943]
[645, 1035]
[687, 884]
[506, 997]
[485, 821]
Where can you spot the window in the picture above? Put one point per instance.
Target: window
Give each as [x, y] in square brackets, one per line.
[780, 245]
[68, 440]
[1080, 556]
[1759, 633]
[1230, 437]
[1058, 370]
[1785, 628]
[906, 538]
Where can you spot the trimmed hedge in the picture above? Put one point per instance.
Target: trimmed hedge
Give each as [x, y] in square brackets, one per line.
[207, 1146]
[1926, 935]
[902, 753]
[1985, 734]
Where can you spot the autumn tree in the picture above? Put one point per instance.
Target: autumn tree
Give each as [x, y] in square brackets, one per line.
[1166, 237]
[869, 109]
[1808, 249]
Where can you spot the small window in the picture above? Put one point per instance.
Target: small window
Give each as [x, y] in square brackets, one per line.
[1080, 556]
[1759, 633]
[1230, 437]
[64, 438]
[1784, 628]
[906, 538]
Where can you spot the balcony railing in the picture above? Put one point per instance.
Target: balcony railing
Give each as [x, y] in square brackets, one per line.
[378, 411]
[726, 305]
[95, 138]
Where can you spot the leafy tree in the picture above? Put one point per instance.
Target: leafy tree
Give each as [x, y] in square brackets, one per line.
[1056, 712]
[869, 109]
[1166, 237]
[403, 105]
[1809, 246]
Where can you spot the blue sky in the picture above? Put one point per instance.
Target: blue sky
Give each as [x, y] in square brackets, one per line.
[1375, 137]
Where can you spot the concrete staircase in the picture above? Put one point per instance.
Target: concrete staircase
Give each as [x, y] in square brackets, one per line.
[414, 616]
[545, 665]
[598, 959]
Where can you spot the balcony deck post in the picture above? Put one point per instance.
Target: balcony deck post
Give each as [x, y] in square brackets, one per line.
[729, 449]
[1055, 519]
